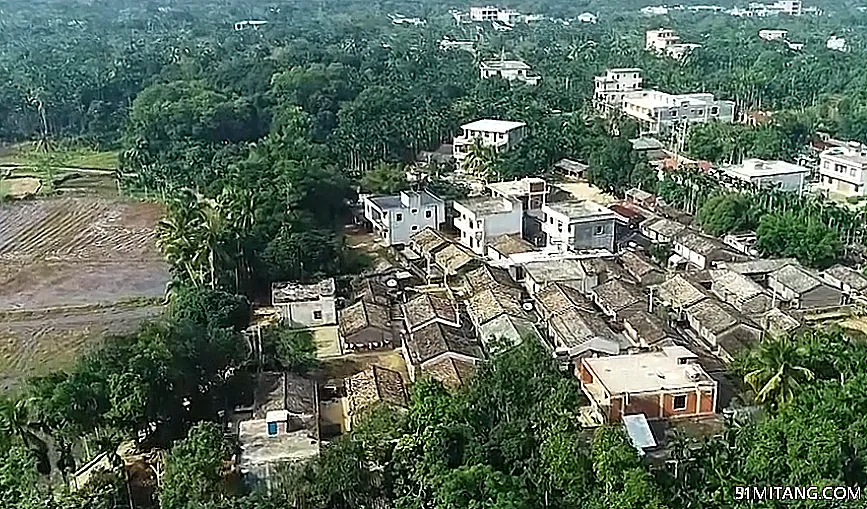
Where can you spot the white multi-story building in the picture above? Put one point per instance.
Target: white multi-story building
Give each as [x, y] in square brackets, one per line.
[396, 218]
[483, 219]
[614, 85]
[666, 41]
[658, 112]
[490, 13]
[779, 174]
[760, 10]
[772, 34]
[530, 191]
[843, 170]
[500, 134]
[837, 44]
[509, 70]
[578, 226]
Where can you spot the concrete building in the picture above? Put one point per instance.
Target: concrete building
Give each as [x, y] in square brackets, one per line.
[780, 174]
[666, 42]
[481, 220]
[611, 87]
[491, 13]
[578, 225]
[669, 384]
[837, 44]
[843, 170]
[500, 134]
[303, 306]
[661, 230]
[761, 10]
[658, 113]
[770, 34]
[396, 218]
[530, 191]
[702, 250]
[508, 70]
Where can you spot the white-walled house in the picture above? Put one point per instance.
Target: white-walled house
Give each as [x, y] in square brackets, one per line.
[508, 70]
[779, 174]
[658, 112]
[772, 34]
[611, 87]
[578, 225]
[500, 134]
[306, 305]
[396, 218]
[843, 170]
[481, 220]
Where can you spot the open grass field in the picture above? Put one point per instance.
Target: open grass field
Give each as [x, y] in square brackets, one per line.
[72, 269]
[26, 154]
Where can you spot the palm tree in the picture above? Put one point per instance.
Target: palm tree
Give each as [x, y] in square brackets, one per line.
[776, 374]
[15, 423]
[478, 160]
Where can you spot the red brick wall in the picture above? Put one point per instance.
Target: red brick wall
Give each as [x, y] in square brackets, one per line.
[707, 401]
[586, 375]
[647, 404]
[668, 405]
[615, 413]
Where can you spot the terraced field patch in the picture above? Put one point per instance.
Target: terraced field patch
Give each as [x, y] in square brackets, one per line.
[72, 270]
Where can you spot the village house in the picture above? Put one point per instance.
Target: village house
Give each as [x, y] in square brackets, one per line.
[305, 305]
[640, 269]
[502, 135]
[777, 323]
[570, 168]
[758, 269]
[370, 289]
[678, 293]
[282, 425]
[740, 292]
[492, 302]
[666, 42]
[801, 289]
[435, 340]
[846, 279]
[661, 230]
[504, 246]
[569, 271]
[506, 331]
[481, 220]
[486, 277]
[575, 333]
[454, 259]
[668, 384]
[578, 225]
[701, 250]
[396, 218]
[719, 326]
[424, 309]
[774, 174]
[511, 70]
[557, 298]
[843, 170]
[365, 325]
[613, 86]
[640, 197]
[660, 113]
[617, 299]
[645, 330]
[450, 371]
[371, 386]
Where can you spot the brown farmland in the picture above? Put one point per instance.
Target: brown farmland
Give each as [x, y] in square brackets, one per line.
[71, 270]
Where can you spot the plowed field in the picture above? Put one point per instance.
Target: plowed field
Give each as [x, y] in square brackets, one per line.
[71, 270]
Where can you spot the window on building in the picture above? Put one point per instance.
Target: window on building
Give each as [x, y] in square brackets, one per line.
[714, 110]
[680, 402]
[551, 220]
[428, 214]
[851, 172]
[701, 112]
[471, 242]
[317, 315]
[478, 223]
[599, 229]
[464, 234]
[673, 113]
[414, 227]
[414, 211]
[398, 217]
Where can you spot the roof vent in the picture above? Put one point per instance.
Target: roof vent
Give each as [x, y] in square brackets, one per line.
[527, 306]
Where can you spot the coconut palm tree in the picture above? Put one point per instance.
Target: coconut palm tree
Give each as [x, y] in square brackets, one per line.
[478, 160]
[16, 424]
[776, 374]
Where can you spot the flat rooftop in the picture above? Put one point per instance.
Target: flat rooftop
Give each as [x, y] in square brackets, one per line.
[493, 126]
[258, 449]
[577, 210]
[655, 99]
[847, 154]
[505, 65]
[284, 292]
[755, 168]
[523, 187]
[487, 205]
[645, 372]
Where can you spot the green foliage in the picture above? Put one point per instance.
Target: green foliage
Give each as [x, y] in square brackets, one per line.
[212, 308]
[811, 242]
[616, 168]
[18, 477]
[726, 213]
[197, 470]
[290, 349]
[385, 179]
